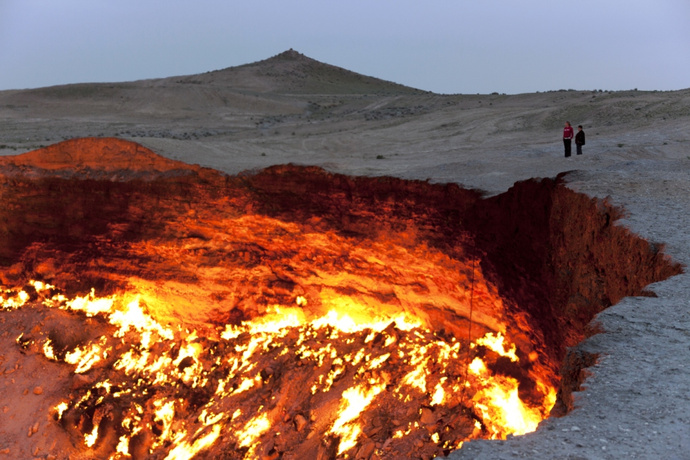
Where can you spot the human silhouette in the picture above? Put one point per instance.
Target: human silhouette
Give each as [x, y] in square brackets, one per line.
[567, 138]
[579, 139]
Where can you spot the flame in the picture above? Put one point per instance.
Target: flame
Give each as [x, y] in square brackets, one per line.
[354, 401]
[123, 446]
[498, 345]
[85, 358]
[48, 350]
[345, 322]
[253, 430]
[164, 416]
[186, 451]
[90, 304]
[501, 409]
[134, 317]
[60, 409]
[91, 438]
[9, 300]
[348, 356]
[439, 394]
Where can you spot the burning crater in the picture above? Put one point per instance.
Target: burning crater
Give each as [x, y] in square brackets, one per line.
[293, 313]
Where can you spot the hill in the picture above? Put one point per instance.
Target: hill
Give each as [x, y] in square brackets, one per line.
[288, 73]
[291, 72]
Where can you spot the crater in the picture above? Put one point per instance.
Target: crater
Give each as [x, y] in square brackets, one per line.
[297, 313]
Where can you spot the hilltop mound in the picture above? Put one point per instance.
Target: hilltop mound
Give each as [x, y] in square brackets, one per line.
[283, 85]
[293, 72]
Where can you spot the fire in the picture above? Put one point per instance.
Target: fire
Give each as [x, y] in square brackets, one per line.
[184, 450]
[497, 344]
[253, 430]
[10, 300]
[84, 358]
[439, 394]
[247, 385]
[355, 400]
[502, 411]
[91, 438]
[89, 304]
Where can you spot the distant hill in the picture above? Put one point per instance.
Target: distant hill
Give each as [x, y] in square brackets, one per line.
[289, 72]
[285, 84]
[293, 72]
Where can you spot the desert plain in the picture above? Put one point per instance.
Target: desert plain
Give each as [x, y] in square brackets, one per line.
[635, 402]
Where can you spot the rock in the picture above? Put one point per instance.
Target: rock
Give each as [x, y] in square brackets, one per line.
[327, 450]
[186, 362]
[373, 430]
[386, 444]
[140, 443]
[266, 373]
[300, 422]
[427, 417]
[33, 429]
[366, 450]
[38, 390]
[81, 381]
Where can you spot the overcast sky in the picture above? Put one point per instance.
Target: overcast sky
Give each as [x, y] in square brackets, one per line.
[445, 46]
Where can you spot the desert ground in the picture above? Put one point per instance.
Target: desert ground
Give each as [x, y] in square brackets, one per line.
[291, 109]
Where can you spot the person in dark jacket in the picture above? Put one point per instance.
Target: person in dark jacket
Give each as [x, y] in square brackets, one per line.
[567, 137]
[579, 139]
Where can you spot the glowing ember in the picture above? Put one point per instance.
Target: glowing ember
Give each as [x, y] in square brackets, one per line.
[83, 358]
[355, 401]
[386, 378]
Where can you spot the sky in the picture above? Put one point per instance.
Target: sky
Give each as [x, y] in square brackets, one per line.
[444, 46]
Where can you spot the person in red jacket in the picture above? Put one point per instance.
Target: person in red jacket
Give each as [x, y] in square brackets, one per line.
[567, 138]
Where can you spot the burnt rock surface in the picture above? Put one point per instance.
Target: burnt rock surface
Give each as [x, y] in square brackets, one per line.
[555, 253]
[111, 215]
[85, 200]
[561, 257]
[74, 212]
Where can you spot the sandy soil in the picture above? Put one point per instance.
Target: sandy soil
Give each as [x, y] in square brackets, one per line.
[635, 404]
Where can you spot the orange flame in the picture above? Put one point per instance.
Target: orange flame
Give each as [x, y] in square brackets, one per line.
[370, 352]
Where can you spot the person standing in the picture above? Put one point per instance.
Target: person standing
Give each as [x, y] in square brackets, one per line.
[567, 138]
[579, 139]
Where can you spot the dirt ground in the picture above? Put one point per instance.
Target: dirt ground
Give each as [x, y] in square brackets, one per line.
[635, 403]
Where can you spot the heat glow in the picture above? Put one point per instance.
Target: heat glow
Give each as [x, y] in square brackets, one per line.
[295, 313]
[283, 377]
